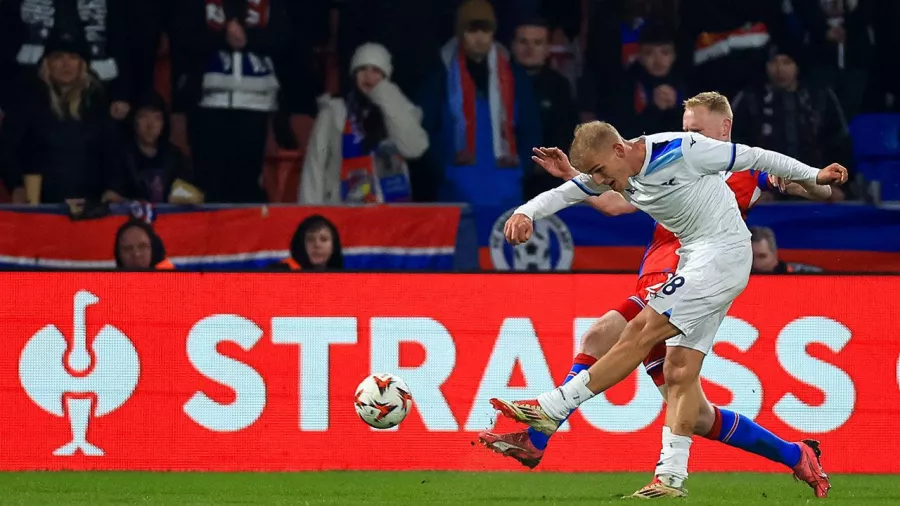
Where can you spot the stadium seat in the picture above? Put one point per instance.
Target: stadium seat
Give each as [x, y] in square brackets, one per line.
[876, 136]
[281, 173]
[885, 174]
[876, 150]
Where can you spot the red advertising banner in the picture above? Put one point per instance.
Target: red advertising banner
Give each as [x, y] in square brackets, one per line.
[179, 371]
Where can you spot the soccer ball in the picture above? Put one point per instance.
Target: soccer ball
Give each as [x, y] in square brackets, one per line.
[382, 400]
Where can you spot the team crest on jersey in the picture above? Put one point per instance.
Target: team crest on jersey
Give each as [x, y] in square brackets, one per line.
[550, 247]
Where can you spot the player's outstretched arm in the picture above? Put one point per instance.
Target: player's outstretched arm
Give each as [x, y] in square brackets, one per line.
[804, 190]
[552, 201]
[556, 163]
[709, 156]
[520, 225]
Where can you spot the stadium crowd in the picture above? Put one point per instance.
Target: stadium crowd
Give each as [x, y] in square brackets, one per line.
[380, 101]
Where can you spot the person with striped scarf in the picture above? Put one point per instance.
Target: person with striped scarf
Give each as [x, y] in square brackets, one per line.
[481, 115]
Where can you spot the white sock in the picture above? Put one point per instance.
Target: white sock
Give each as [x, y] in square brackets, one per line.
[560, 402]
[673, 459]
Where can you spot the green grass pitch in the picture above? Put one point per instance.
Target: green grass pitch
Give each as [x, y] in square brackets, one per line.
[419, 488]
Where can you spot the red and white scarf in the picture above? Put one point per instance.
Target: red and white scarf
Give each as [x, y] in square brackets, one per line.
[501, 97]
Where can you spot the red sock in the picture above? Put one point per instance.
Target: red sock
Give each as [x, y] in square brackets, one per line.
[716, 426]
[581, 362]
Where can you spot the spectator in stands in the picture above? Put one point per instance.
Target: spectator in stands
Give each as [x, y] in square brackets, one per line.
[59, 142]
[152, 166]
[726, 42]
[147, 21]
[138, 247]
[315, 247]
[765, 254]
[531, 49]
[360, 143]
[26, 25]
[481, 116]
[413, 31]
[841, 35]
[788, 116]
[650, 99]
[232, 79]
[611, 46]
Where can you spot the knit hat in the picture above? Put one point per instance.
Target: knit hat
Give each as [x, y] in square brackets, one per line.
[372, 54]
[67, 41]
[480, 12]
[790, 49]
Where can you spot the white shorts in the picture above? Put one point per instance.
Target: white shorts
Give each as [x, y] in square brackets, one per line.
[700, 293]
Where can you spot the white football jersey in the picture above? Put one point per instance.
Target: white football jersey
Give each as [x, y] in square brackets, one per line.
[681, 186]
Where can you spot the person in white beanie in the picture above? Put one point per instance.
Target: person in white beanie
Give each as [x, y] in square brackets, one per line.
[361, 142]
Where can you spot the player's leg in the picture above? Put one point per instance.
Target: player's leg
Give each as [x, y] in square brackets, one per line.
[737, 430]
[636, 341]
[527, 446]
[685, 400]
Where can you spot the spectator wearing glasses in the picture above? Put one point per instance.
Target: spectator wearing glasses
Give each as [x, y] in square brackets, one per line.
[138, 247]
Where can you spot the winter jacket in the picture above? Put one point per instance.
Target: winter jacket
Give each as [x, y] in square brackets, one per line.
[320, 181]
[150, 179]
[816, 134]
[858, 21]
[500, 186]
[77, 158]
[217, 76]
[632, 109]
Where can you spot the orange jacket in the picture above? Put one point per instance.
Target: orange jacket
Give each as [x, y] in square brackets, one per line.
[165, 265]
[290, 262]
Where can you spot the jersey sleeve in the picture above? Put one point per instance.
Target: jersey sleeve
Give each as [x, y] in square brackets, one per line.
[709, 156]
[762, 180]
[552, 201]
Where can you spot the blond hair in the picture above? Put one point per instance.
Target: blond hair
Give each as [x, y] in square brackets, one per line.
[712, 100]
[590, 138]
[68, 102]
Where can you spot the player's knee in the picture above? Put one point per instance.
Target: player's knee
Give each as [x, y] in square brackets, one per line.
[705, 419]
[679, 372]
[602, 334]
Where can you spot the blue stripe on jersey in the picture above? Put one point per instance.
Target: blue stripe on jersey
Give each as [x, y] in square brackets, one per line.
[663, 154]
[733, 155]
[762, 181]
[584, 188]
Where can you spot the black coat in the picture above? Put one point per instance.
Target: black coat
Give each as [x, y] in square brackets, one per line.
[150, 179]
[631, 107]
[819, 136]
[77, 158]
[559, 116]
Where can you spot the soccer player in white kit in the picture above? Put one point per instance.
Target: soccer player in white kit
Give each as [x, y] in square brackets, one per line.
[677, 179]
